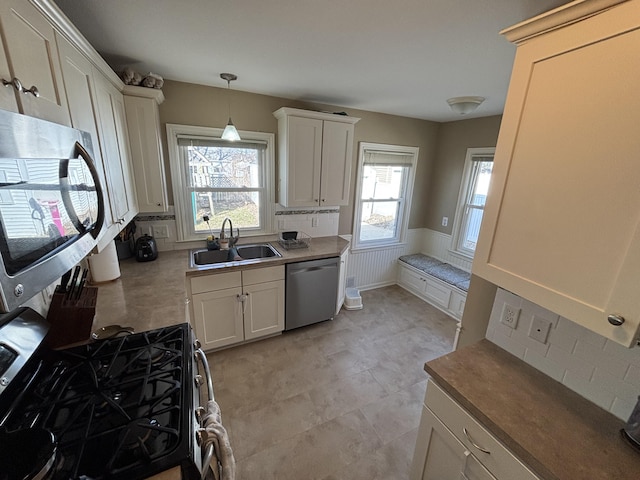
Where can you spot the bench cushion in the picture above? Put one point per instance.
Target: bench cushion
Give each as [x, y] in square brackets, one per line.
[442, 271]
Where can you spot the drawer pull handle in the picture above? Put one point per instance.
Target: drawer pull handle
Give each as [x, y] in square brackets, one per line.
[483, 450]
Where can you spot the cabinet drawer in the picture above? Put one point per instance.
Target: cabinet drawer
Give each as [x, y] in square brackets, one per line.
[500, 462]
[262, 275]
[217, 281]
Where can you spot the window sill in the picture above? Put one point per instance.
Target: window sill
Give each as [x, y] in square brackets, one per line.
[463, 256]
[380, 246]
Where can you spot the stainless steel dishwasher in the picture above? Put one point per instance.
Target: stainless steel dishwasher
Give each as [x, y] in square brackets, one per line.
[311, 292]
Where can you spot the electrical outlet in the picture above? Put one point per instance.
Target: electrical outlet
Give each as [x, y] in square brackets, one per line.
[314, 221]
[445, 221]
[510, 315]
[540, 329]
[161, 231]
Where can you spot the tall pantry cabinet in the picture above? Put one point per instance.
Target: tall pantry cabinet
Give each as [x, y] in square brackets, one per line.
[561, 226]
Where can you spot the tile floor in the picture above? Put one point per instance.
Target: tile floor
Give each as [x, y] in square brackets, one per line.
[335, 400]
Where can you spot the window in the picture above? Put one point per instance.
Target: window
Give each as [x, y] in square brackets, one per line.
[471, 200]
[383, 196]
[216, 178]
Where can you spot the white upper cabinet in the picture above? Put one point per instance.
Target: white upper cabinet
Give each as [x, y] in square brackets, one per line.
[32, 57]
[562, 220]
[7, 93]
[78, 80]
[314, 157]
[143, 122]
[114, 144]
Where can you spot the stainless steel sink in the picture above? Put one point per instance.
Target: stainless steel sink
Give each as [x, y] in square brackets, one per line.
[263, 250]
[207, 257]
[239, 254]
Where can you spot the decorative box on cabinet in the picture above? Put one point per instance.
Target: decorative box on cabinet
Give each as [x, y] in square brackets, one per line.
[35, 76]
[143, 122]
[453, 445]
[232, 307]
[561, 225]
[314, 157]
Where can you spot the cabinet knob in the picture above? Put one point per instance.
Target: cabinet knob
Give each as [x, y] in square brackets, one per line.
[15, 83]
[615, 320]
[33, 91]
[158, 204]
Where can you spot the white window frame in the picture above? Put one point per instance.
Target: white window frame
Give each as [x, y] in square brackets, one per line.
[465, 186]
[404, 211]
[179, 180]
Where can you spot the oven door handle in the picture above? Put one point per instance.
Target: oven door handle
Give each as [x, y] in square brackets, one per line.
[208, 456]
[207, 372]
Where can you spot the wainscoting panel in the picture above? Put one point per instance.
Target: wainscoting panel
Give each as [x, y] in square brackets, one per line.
[378, 267]
[436, 244]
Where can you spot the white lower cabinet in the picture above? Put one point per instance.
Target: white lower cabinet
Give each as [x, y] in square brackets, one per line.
[452, 445]
[233, 307]
[442, 295]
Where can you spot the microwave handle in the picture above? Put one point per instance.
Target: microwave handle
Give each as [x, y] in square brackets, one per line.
[79, 150]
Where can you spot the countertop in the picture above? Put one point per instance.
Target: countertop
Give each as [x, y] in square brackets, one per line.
[152, 294]
[556, 432]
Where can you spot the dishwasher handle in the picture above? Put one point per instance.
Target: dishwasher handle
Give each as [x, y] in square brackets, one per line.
[311, 269]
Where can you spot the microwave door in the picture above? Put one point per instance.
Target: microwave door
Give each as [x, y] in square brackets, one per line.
[81, 192]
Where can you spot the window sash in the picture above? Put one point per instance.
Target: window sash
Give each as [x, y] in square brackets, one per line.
[470, 204]
[392, 224]
[259, 194]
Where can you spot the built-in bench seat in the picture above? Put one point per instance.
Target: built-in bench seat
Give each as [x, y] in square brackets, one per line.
[440, 284]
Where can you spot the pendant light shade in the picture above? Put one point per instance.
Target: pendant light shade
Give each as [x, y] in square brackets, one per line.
[230, 132]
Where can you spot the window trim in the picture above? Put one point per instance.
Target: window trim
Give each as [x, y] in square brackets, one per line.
[182, 204]
[462, 195]
[405, 209]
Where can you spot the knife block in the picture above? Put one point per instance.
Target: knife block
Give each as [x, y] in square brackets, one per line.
[71, 319]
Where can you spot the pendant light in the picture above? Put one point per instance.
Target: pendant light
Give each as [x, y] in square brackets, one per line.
[230, 133]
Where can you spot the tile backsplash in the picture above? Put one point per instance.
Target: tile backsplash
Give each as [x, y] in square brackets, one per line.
[600, 370]
[315, 222]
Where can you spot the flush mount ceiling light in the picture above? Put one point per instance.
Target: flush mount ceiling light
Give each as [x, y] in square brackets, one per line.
[464, 105]
[230, 133]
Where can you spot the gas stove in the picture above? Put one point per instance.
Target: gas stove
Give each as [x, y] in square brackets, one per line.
[121, 408]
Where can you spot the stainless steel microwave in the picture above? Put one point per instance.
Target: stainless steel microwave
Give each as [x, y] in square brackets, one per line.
[51, 204]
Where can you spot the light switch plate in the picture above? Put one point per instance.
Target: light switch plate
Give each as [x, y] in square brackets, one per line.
[161, 231]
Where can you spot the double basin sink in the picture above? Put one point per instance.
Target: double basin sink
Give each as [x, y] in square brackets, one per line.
[240, 254]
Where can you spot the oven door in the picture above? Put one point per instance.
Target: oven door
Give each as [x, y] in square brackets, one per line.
[51, 204]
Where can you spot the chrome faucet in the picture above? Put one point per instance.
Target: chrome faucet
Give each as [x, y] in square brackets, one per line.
[232, 240]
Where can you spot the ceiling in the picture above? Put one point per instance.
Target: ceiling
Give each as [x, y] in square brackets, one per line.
[402, 57]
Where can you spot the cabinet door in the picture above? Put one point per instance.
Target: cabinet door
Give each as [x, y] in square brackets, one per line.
[115, 153]
[438, 454]
[411, 280]
[304, 147]
[217, 318]
[143, 123]
[263, 309]
[562, 223]
[342, 280]
[337, 151]
[33, 57]
[78, 80]
[7, 94]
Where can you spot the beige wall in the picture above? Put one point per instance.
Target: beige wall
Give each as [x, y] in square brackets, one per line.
[453, 140]
[190, 104]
